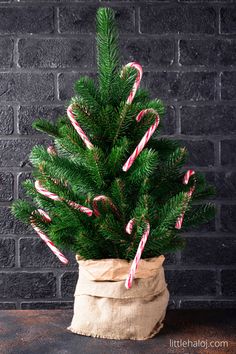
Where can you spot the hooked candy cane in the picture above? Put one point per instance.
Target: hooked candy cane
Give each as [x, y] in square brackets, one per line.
[55, 197]
[186, 178]
[44, 237]
[137, 80]
[129, 226]
[134, 266]
[187, 175]
[104, 199]
[78, 128]
[144, 139]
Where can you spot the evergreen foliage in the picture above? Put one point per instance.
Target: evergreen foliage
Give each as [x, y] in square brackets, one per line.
[151, 190]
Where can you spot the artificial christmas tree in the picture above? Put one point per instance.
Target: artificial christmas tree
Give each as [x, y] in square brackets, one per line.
[112, 194]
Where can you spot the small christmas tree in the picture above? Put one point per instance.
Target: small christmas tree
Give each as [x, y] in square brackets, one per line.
[82, 198]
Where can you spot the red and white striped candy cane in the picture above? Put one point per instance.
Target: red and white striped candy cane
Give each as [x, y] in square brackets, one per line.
[134, 266]
[186, 178]
[54, 196]
[78, 127]
[137, 80]
[144, 139]
[104, 199]
[44, 237]
[129, 226]
[187, 175]
[44, 215]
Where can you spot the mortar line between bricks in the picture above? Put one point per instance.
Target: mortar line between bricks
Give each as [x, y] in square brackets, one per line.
[204, 297]
[17, 3]
[93, 69]
[17, 253]
[123, 36]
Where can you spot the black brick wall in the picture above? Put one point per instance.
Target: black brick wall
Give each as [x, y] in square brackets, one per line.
[188, 51]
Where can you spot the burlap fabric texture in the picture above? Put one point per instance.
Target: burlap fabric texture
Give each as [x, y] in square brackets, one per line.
[104, 308]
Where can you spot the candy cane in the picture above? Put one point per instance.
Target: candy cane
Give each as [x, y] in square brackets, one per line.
[44, 215]
[40, 189]
[78, 128]
[186, 178]
[134, 266]
[144, 139]
[129, 226]
[187, 175]
[104, 199]
[44, 237]
[137, 80]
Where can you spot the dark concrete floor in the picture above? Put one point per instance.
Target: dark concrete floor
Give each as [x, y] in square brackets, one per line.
[44, 332]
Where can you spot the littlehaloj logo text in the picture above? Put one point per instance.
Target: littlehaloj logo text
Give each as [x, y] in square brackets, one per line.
[200, 343]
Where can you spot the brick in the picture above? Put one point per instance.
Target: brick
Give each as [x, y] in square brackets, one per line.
[72, 19]
[198, 86]
[7, 306]
[68, 284]
[209, 250]
[55, 53]
[6, 186]
[228, 85]
[168, 122]
[6, 221]
[27, 115]
[207, 304]
[66, 82]
[20, 179]
[201, 152]
[227, 157]
[10, 225]
[170, 258]
[38, 19]
[16, 152]
[27, 285]
[151, 53]
[225, 183]
[191, 282]
[228, 283]
[6, 120]
[208, 120]
[207, 52]
[55, 305]
[6, 52]
[228, 218]
[26, 87]
[7, 252]
[228, 20]
[178, 19]
[35, 254]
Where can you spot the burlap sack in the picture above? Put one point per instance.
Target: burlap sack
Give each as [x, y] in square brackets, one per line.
[104, 308]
